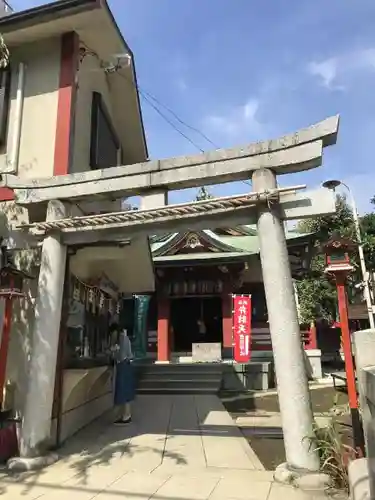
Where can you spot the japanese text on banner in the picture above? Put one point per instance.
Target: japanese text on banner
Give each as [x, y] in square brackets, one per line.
[242, 327]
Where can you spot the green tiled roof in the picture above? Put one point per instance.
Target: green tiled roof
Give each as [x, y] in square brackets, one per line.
[246, 243]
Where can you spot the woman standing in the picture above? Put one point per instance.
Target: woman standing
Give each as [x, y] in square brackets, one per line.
[124, 387]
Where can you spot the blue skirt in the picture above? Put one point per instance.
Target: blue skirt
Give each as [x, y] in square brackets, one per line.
[124, 383]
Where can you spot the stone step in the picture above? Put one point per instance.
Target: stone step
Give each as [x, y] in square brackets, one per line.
[183, 375]
[177, 390]
[183, 381]
[186, 367]
[179, 378]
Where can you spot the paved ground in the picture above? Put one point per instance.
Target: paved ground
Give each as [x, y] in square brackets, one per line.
[322, 400]
[259, 419]
[179, 447]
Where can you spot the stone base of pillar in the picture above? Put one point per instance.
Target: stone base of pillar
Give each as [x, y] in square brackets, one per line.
[314, 364]
[308, 481]
[20, 464]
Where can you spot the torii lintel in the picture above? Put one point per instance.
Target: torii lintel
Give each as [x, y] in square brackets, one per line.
[292, 153]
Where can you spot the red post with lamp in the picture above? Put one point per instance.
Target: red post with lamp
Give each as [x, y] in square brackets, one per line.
[338, 266]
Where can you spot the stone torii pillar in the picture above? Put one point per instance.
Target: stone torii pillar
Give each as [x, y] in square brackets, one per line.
[36, 425]
[292, 384]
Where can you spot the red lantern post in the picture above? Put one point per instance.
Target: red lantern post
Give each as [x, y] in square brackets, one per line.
[11, 282]
[339, 267]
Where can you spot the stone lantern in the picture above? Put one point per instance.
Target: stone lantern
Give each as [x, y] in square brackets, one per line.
[337, 254]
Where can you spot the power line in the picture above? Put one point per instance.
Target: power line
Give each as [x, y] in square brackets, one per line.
[147, 96]
[169, 121]
[194, 129]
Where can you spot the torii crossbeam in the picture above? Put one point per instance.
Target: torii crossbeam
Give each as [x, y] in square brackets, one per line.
[289, 154]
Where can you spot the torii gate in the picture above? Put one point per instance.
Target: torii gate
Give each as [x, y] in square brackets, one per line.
[267, 205]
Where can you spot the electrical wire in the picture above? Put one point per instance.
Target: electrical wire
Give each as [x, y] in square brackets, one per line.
[194, 129]
[167, 119]
[148, 97]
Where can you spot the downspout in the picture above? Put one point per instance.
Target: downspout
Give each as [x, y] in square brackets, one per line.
[17, 124]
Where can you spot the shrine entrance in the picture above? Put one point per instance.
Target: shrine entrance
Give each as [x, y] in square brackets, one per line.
[195, 319]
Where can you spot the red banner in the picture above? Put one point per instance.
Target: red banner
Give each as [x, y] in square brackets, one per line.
[242, 327]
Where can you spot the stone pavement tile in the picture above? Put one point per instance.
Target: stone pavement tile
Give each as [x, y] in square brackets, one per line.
[285, 492]
[184, 445]
[151, 417]
[260, 419]
[86, 485]
[223, 443]
[216, 472]
[273, 419]
[187, 487]
[134, 485]
[241, 488]
[256, 475]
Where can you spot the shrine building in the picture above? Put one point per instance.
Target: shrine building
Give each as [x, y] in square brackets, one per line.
[196, 275]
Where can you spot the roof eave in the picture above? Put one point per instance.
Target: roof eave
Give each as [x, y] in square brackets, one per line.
[45, 13]
[222, 259]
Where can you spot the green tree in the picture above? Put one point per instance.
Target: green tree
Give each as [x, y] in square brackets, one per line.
[4, 53]
[342, 222]
[203, 194]
[368, 236]
[317, 295]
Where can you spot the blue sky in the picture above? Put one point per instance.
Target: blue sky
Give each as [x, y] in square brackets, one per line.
[245, 70]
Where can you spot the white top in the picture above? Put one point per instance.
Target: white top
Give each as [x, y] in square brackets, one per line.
[124, 348]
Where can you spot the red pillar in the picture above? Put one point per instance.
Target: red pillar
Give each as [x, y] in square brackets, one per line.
[226, 305]
[312, 342]
[346, 341]
[358, 437]
[163, 329]
[7, 323]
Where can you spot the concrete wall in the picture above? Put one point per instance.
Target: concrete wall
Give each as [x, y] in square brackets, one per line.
[130, 267]
[87, 394]
[38, 131]
[240, 377]
[36, 159]
[362, 472]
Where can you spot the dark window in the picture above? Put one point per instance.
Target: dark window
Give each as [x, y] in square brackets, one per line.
[105, 145]
[4, 104]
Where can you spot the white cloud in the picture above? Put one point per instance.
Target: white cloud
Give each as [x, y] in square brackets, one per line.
[326, 70]
[333, 71]
[236, 120]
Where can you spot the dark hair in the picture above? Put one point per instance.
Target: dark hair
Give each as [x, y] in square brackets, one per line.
[113, 328]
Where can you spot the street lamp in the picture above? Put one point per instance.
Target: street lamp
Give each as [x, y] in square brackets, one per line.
[333, 184]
